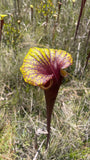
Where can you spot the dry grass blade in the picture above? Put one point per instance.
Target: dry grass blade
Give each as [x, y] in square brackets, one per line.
[35, 158]
[5, 157]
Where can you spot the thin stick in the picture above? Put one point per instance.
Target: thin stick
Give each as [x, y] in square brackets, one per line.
[35, 157]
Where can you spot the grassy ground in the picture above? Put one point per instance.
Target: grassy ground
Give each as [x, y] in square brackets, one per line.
[22, 107]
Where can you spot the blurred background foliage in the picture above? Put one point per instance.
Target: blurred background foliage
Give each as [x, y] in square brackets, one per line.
[50, 24]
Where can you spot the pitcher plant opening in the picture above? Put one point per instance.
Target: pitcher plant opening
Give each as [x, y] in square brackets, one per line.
[45, 68]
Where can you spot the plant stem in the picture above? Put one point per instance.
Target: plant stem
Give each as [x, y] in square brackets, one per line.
[50, 96]
[1, 26]
[80, 14]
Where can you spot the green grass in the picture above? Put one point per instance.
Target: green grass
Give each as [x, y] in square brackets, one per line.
[22, 107]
